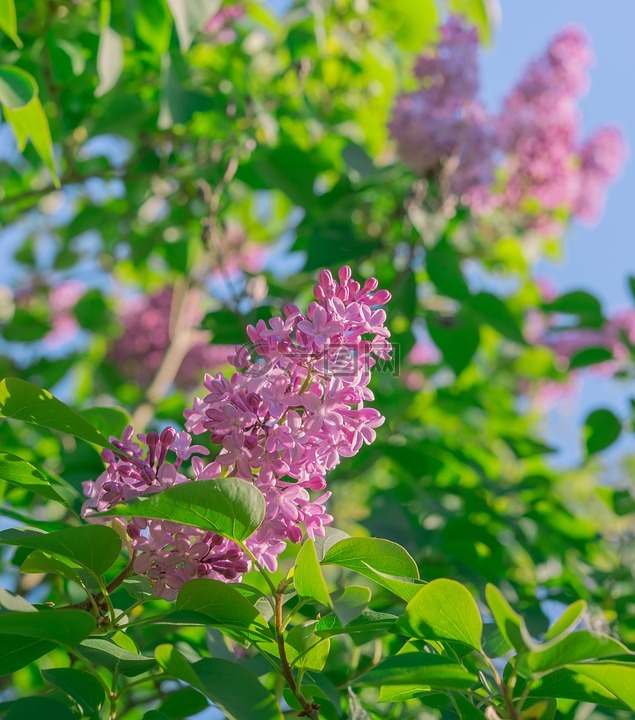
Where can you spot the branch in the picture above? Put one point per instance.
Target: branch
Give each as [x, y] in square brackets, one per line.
[181, 339]
[309, 708]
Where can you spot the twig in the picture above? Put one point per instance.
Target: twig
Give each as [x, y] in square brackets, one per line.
[309, 708]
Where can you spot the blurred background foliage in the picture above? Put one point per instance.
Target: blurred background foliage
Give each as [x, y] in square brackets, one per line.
[174, 170]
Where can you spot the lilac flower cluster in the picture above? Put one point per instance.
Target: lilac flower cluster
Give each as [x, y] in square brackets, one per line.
[601, 159]
[295, 406]
[535, 141]
[539, 131]
[169, 553]
[616, 335]
[442, 126]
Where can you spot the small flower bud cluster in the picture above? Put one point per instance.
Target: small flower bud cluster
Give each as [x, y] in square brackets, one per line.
[168, 553]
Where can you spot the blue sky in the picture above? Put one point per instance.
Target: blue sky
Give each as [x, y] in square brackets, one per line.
[596, 259]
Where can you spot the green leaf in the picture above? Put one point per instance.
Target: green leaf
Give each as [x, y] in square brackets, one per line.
[153, 24]
[19, 472]
[80, 686]
[219, 601]
[232, 688]
[307, 577]
[183, 703]
[26, 326]
[445, 271]
[16, 652]
[457, 337]
[466, 710]
[9, 21]
[576, 647]
[567, 621]
[14, 603]
[604, 683]
[293, 171]
[30, 122]
[236, 691]
[542, 710]
[17, 87]
[419, 668]
[385, 562]
[350, 602]
[190, 16]
[368, 622]
[410, 24]
[230, 507]
[510, 624]
[139, 587]
[39, 707]
[173, 663]
[493, 311]
[590, 356]
[578, 302]
[305, 649]
[95, 547]
[115, 658]
[23, 401]
[91, 312]
[108, 420]
[66, 627]
[476, 12]
[601, 430]
[444, 610]
[41, 562]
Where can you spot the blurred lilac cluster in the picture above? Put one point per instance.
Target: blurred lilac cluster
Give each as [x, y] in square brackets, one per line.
[61, 300]
[295, 406]
[442, 126]
[140, 350]
[533, 146]
[219, 26]
[615, 335]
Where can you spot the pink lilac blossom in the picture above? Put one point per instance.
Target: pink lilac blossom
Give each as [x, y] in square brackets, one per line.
[601, 160]
[219, 25]
[544, 174]
[140, 350]
[442, 126]
[613, 336]
[168, 553]
[62, 299]
[296, 404]
[539, 125]
[539, 134]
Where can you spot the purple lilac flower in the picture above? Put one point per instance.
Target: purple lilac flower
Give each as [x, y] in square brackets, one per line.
[299, 405]
[284, 419]
[140, 350]
[601, 160]
[442, 126]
